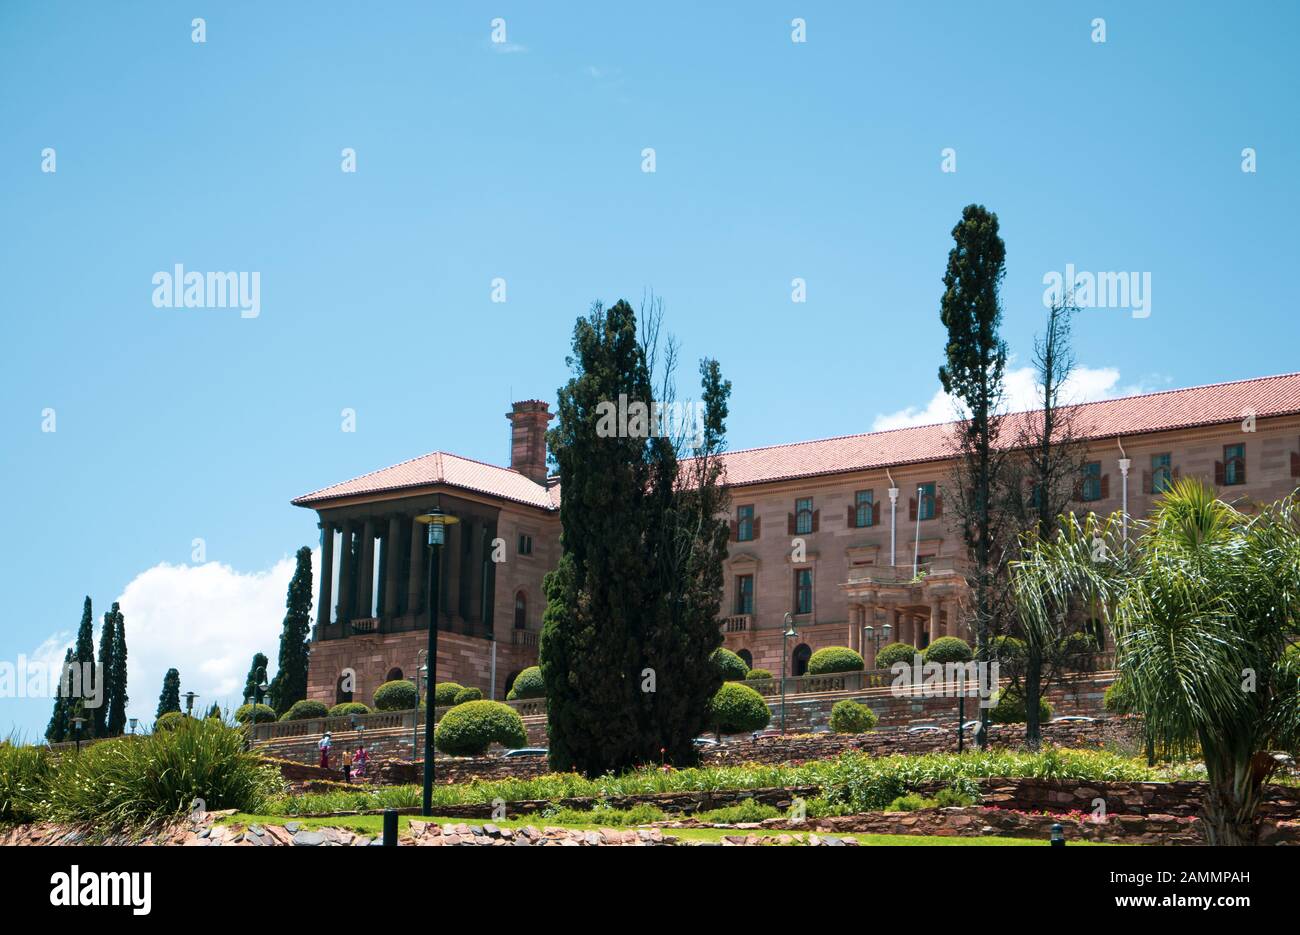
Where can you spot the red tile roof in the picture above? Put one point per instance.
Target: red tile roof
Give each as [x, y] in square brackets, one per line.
[1132, 415]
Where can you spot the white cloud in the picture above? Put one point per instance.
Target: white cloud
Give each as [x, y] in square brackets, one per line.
[1086, 384]
[206, 620]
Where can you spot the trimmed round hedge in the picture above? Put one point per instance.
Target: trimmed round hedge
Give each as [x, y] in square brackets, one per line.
[831, 659]
[302, 710]
[891, 653]
[397, 695]
[528, 684]
[468, 729]
[948, 649]
[444, 693]
[169, 721]
[850, 717]
[755, 674]
[466, 695]
[731, 666]
[1010, 709]
[1118, 699]
[737, 708]
[265, 714]
[345, 708]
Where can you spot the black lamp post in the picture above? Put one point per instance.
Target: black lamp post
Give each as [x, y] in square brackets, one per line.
[76, 727]
[875, 638]
[789, 633]
[437, 521]
[134, 723]
[189, 703]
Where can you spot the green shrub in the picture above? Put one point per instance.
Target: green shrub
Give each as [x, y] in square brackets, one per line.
[895, 652]
[346, 708]
[731, 666]
[1009, 652]
[136, 783]
[468, 729]
[642, 814]
[948, 649]
[25, 772]
[910, 803]
[737, 708]
[1010, 708]
[1118, 699]
[954, 798]
[170, 721]
[831, 659]
[305, 709]
[265, 714]
[746, 811]
[755, 674]
[467, 694]
[850, 717]
[444, 693]
[528, 684]
[397, 695]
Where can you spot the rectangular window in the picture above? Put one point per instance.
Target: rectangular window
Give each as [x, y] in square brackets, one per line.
[803, 591]
[863, 501]
[525, 545]
[1234, 464]
[803, 516]
[744, 594]
[1091, 489]
[745, 524]
[925, 508]
[1161, 473]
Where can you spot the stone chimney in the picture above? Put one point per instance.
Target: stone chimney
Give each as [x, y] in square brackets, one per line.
[528, 420]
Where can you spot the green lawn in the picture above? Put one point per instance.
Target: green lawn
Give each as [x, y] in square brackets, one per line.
[373, 825]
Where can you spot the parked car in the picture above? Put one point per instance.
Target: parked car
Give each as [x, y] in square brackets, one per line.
[1072, 719]
[971, 725]
[924, 729]
[701, 742]
[765, 733]
[525, 751]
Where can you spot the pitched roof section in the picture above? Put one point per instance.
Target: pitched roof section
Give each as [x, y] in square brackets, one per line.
[1132, 415]
[439, 468]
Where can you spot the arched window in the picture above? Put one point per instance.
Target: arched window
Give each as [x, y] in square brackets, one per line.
[521, 610]
[394, 675]
[747, 656]
[341, 696]
[799, 660]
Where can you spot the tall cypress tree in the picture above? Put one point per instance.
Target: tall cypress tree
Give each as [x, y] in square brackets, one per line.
[626, 605]
[57, 730]
[106, 668]
[256, 672]
[116, 677]
[976, 356]
[170, 698]
[85, 661]
[290, 682]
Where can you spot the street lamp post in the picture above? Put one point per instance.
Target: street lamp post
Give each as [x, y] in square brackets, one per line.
[789, 633]
[421, 672]
[76, 726]
[134, 721]
[189, 703]
[875, 638]
[437, 521]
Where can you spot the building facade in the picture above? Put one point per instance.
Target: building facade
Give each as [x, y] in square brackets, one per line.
[845, 535]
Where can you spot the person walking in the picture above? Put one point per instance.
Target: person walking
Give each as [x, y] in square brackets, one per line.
[324, 746]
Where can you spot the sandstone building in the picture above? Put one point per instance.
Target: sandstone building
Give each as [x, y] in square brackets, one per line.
[878, 545]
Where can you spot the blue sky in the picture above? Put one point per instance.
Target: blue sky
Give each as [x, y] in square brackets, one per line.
[522, 160]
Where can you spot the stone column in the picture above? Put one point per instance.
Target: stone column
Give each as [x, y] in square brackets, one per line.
[936, 619]
[324, 606]
[415, 580]
[366, 575]
[392, 564]
[346, 582]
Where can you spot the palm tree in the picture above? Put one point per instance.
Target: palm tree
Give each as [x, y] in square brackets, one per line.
[1204, 604]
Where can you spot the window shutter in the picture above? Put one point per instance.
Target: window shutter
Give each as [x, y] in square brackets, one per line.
[735, 530]
[1218, 473]
[875, 514]
[851, 518]
[938, 505]
[1105, 486]
[1147, 484]
[789, 524]
[758, 526]
[817, 520]
[911, 509]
